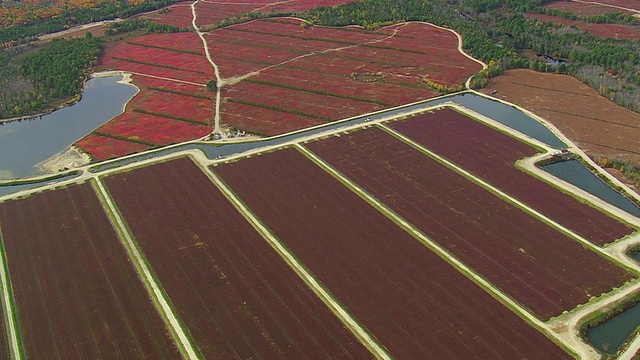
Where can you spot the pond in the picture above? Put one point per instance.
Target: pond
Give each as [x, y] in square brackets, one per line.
[576, 173]
[610, 335]
[32, 141]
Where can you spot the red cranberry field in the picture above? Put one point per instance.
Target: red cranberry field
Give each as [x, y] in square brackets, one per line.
[76, 294]
[521, 255]
[415, 303]
[236, 296]
[491, 155]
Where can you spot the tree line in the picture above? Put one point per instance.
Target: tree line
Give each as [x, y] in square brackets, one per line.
[33, 82]
[106, 10]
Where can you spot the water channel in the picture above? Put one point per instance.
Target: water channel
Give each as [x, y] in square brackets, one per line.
[31, 142]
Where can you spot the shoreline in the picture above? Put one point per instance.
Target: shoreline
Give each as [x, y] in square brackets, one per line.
[126, 79]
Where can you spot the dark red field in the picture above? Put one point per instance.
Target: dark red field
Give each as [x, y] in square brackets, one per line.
[77, 295]
[235, 295]
[491, 155]
[536, 265]
[412, 301]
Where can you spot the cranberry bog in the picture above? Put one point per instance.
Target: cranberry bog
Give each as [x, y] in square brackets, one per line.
[276, 76]
[584, 8]
[76, 294]
[330, 74]
[491, 155]
[235, 295]
[520, 254]
[615, 31]
[415, 303]
[173, 104]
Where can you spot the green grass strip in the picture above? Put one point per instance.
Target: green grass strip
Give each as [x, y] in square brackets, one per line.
[121, 137]
[10, 320]
[170, 91]
[277, 108]
[314, 91]
[165, 48]
[180, 118]
[154, 64]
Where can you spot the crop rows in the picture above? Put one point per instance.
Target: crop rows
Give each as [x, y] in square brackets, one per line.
[343, 72]
[155, 129]
[265, 121]
[412, 301]
[518, 253]
[389, 94]
[164, 58]
[304, 5]
[165, 111]
[321, 106]
[179, 15]
[235, 295]
[103, 148]
[210, 12]
[491, 155]
[76, 294]
[355, 79]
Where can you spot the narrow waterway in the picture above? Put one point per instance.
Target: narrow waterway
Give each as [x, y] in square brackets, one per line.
[576, 173]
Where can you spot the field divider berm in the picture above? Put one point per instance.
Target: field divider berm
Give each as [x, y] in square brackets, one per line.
[497, 293]
[359, 331]
[510, 199]
[152, 285]
[8, 306]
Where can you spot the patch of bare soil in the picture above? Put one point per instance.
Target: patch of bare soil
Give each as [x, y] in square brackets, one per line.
[595, 124]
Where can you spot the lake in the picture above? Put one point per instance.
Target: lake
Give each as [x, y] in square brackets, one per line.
[27, 143]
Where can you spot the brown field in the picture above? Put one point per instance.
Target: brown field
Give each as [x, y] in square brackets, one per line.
[595, 124]
[235, 295]
[76, 294]
[523, 256]
[416, 304]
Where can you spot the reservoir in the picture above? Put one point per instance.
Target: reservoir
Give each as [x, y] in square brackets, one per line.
[26, 143]
[609, 335]
[576, 173]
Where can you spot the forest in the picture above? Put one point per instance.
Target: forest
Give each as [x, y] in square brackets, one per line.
[494, 31]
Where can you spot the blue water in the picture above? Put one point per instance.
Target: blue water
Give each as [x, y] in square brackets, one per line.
[576, 173]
